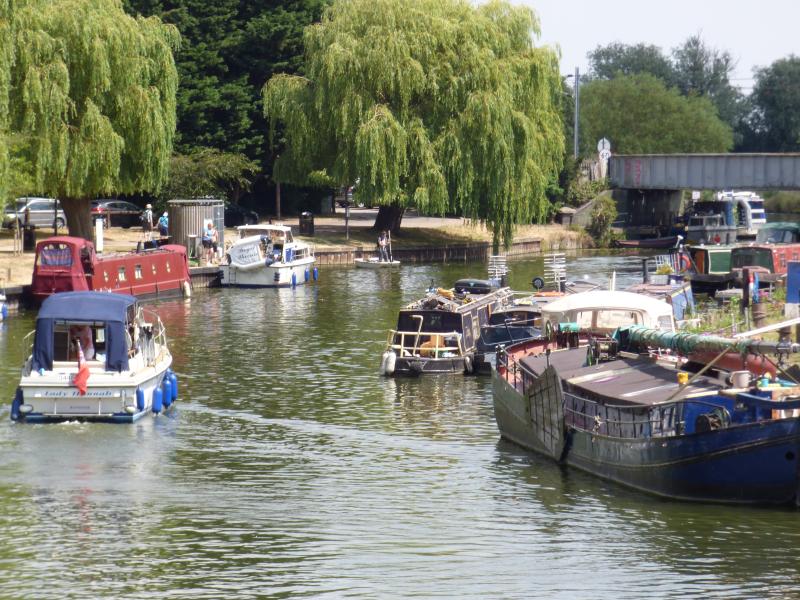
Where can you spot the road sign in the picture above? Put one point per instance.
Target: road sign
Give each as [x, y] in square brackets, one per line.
[603, 144]
[605, 154]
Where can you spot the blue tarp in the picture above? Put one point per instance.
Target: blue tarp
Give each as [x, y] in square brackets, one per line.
[89, 307]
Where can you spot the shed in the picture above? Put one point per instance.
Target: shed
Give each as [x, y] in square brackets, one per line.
[187, 217]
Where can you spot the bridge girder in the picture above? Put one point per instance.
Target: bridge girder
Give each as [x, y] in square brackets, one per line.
[705, 171]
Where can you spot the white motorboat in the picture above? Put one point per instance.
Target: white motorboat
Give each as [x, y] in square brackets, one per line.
[268, 256]
[374, 262]
[96, 356]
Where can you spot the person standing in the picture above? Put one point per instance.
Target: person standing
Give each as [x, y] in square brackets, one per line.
[209, 240]
[383, 246]
[163, 225]
[147, 222]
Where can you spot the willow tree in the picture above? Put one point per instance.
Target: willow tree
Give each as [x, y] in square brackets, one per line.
[93, 94]
[6, 58]
[437, 104]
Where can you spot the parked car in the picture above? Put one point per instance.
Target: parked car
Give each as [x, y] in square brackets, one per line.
[40, 212]
[117, 213]
[236, 215]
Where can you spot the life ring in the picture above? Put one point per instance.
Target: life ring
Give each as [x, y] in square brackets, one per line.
[685, 263]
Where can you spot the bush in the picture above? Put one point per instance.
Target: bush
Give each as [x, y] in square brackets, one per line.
[604, 213]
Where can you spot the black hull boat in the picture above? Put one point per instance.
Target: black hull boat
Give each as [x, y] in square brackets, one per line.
[631, 420]
[439, 333]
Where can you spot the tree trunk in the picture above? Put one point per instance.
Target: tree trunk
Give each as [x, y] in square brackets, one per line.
[389, 218]
[277, 200]
[79, 218]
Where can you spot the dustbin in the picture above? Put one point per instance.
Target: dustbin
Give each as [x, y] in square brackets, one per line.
[306, 223]
[29, 238]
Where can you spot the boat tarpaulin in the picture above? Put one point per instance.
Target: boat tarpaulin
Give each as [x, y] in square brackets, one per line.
[84, 307]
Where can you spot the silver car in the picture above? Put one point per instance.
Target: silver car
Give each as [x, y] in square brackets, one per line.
[41, 212]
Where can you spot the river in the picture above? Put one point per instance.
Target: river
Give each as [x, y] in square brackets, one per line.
[291, 469]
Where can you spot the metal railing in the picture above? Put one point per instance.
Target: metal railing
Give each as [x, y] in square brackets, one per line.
[425, 344]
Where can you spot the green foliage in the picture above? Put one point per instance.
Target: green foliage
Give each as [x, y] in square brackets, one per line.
[782, 202]
[209, 172]
[229, 49]
[581, 191]
[607, 62]
[640, 116]
[776, 100]
[435, 103]
[93, 100]
[694, 68]
[604, 213]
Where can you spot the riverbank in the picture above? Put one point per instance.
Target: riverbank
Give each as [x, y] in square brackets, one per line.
[422, 239]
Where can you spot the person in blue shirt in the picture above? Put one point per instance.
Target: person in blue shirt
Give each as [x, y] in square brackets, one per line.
[163, 225]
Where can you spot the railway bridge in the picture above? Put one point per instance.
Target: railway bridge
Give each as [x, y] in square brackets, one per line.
[649, 185]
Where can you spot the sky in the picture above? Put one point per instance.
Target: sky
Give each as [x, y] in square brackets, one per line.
[755, 33]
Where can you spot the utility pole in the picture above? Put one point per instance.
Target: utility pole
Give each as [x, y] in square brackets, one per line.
[577, 107]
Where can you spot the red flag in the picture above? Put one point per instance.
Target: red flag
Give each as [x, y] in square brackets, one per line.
[82, 377]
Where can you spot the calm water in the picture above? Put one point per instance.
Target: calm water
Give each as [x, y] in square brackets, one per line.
[292, 469]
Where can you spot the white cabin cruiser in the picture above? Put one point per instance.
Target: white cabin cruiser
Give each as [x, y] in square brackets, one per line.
[96, 356]
[268, 256]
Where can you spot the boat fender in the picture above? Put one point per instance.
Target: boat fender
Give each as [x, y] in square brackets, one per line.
[3, 312]
[173, 380]
[187, 289]
[158, 398]
[140, 399]
[388, 361]
[316, 273]
[305, 275]
[15, 414]
[166, 387]
[294, 279]
[469, 363]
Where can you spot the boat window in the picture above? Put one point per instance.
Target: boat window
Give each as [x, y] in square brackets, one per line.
[55, 255]
[64, 339]
[137, 274]
[611, 319]
[122, 276]
[665, 322]
[751, 257]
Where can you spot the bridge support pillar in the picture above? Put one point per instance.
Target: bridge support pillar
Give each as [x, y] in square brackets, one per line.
[648, 212]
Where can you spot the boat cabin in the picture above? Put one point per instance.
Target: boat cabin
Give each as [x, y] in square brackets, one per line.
[778, 233]
[605, 311]
[440, 331]
[65, 263]
[769, 257]
[273, 243]
[101, 326]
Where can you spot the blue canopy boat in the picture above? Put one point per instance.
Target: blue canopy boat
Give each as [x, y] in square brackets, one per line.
[96, 356]
[625, 411]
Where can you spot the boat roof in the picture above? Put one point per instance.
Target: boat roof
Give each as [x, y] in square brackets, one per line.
[606, 299]
[283, 228]
[86, 306]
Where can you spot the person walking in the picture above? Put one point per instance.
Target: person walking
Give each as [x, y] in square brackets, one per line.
[147, 222]
[209, 240]
[163, 225]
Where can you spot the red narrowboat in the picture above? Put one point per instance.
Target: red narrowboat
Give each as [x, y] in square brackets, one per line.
[770, 258]
[65, 264]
